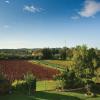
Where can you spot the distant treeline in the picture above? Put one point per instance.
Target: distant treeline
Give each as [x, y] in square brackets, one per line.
[64, 53]
[6, 54]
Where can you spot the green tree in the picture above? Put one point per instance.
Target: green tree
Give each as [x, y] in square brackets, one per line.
[63, 53]
[47, 54]
[85, 62]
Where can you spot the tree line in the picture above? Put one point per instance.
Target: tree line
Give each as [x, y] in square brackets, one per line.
[6, 54]
[64, 53]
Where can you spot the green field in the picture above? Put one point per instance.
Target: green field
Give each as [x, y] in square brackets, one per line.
[57, 64]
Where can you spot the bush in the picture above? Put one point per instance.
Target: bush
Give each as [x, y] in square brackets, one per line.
[20, 85]
[95, 87]
[5, 85]
[71, 81]
[31, 82]
[68, 80]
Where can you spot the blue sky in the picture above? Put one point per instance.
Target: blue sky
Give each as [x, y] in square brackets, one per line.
[49, 23]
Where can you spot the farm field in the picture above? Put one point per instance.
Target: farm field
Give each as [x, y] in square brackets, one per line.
[16, 69]
[57, 64]
[60, 65]
[42, 69]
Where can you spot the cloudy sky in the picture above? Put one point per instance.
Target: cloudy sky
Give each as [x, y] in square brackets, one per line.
[49, 23]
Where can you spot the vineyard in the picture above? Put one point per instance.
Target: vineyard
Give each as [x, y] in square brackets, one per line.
[16, 69]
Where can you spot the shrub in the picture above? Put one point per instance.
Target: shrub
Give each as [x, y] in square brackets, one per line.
[31, 82]
[5, 85]
[68, 80]
[71, 81]
[19, 85]
[95, 87]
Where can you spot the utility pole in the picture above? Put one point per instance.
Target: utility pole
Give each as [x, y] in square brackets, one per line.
[65, 49]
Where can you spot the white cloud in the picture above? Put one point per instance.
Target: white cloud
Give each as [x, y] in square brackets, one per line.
[7, 1]
[90, 9]
[32, 9]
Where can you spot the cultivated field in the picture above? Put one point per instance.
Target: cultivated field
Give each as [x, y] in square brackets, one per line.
[57, 64]
[16, 69]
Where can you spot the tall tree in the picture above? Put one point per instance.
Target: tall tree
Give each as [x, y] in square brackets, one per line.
[47, 54]
[63, 53]
[85, 61]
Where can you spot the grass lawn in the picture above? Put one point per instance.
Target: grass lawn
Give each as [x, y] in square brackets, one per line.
[46, 85]
[42, 95]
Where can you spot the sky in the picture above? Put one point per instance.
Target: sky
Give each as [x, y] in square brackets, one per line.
[49, 23]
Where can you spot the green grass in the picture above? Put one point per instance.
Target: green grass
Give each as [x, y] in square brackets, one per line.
[57, 64]
[46, 63]
[46, 85]
[41, 95]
